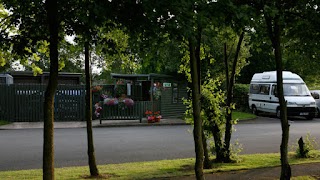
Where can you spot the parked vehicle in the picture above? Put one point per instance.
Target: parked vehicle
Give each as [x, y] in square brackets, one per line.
[6, 79]
[263, 95]
[316, 95]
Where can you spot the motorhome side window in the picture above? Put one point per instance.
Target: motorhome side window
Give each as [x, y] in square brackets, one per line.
[264, 89]
[274, 90]
[254, 88]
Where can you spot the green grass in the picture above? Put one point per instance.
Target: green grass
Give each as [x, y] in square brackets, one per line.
[242, 115]
[303, 178]
[159, 169]
[2, 122]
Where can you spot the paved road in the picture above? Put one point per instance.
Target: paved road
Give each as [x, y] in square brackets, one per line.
[22, 149]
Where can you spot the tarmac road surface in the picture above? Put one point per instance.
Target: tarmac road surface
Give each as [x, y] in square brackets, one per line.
[22, 148]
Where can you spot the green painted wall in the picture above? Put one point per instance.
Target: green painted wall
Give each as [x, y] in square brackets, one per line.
[169, 108]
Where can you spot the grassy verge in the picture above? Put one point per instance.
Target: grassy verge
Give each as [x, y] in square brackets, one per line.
[158, 169]
[242, 115]
[2, 122]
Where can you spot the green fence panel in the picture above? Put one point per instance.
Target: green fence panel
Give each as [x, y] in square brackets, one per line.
[70, 103]
[24, 102]
[27, 103]
[121, 112]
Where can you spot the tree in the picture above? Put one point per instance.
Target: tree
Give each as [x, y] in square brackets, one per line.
[274, 32]
[179, 20]
[182, 22]
[91, 155]
[300, 47]
[230, 84]
[83, 22]
[215, 64]
[261, 54]
[48, 131]
[26, 17]
[275, 18]
[197, 131]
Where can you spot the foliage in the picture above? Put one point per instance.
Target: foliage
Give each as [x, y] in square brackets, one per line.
[235, 149]
[157, 55]
[300, 46]
[240, 97]
[120, 89]
[213, 101]
[113, 53]
[2, 122]
[310, 143]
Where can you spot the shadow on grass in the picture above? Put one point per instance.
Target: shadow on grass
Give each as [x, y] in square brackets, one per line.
[100, 176]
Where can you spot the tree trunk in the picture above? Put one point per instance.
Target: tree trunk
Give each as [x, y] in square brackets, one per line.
[216, 132]
[206, 164]
[197, 131]
[275, 34]
[48, 107]
[92, 160]
[228, 131]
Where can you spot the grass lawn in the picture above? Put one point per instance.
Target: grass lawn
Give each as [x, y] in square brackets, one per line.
[159, 169]
[242, 115]
[2, 122]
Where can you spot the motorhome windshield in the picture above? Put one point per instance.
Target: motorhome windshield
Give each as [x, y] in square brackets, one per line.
[295, 90]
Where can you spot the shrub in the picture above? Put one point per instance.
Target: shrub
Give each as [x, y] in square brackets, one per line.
[240, 97]
[305, 146]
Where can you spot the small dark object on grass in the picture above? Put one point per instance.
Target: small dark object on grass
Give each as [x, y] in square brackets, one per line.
[302, 149]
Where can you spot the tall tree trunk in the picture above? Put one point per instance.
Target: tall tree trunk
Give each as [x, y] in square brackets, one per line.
[197, 131]
[217, 137]
[92, 159]
[225, 54]
[274, 32]
[228, 131]
[206, 163]
[48, 107]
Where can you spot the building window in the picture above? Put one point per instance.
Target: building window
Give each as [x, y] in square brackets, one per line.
[175, 95]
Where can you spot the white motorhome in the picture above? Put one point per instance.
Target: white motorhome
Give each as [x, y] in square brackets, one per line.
[263, 95]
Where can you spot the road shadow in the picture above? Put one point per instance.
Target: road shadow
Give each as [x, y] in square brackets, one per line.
[267, 118]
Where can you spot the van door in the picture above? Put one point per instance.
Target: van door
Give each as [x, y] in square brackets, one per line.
[274, 100]
[264, 97]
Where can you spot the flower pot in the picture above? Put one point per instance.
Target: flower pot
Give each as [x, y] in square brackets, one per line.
[151, 119]
[157, 119]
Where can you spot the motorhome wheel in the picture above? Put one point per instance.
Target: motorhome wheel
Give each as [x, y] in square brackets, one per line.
[254, 110]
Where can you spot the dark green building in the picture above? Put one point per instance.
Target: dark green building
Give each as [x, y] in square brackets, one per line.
[160, 92]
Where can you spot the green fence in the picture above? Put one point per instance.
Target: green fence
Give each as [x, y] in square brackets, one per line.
[24, 103]
[121, 112]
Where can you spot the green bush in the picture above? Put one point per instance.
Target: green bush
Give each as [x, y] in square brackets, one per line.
[305, 146]
[240, 97]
